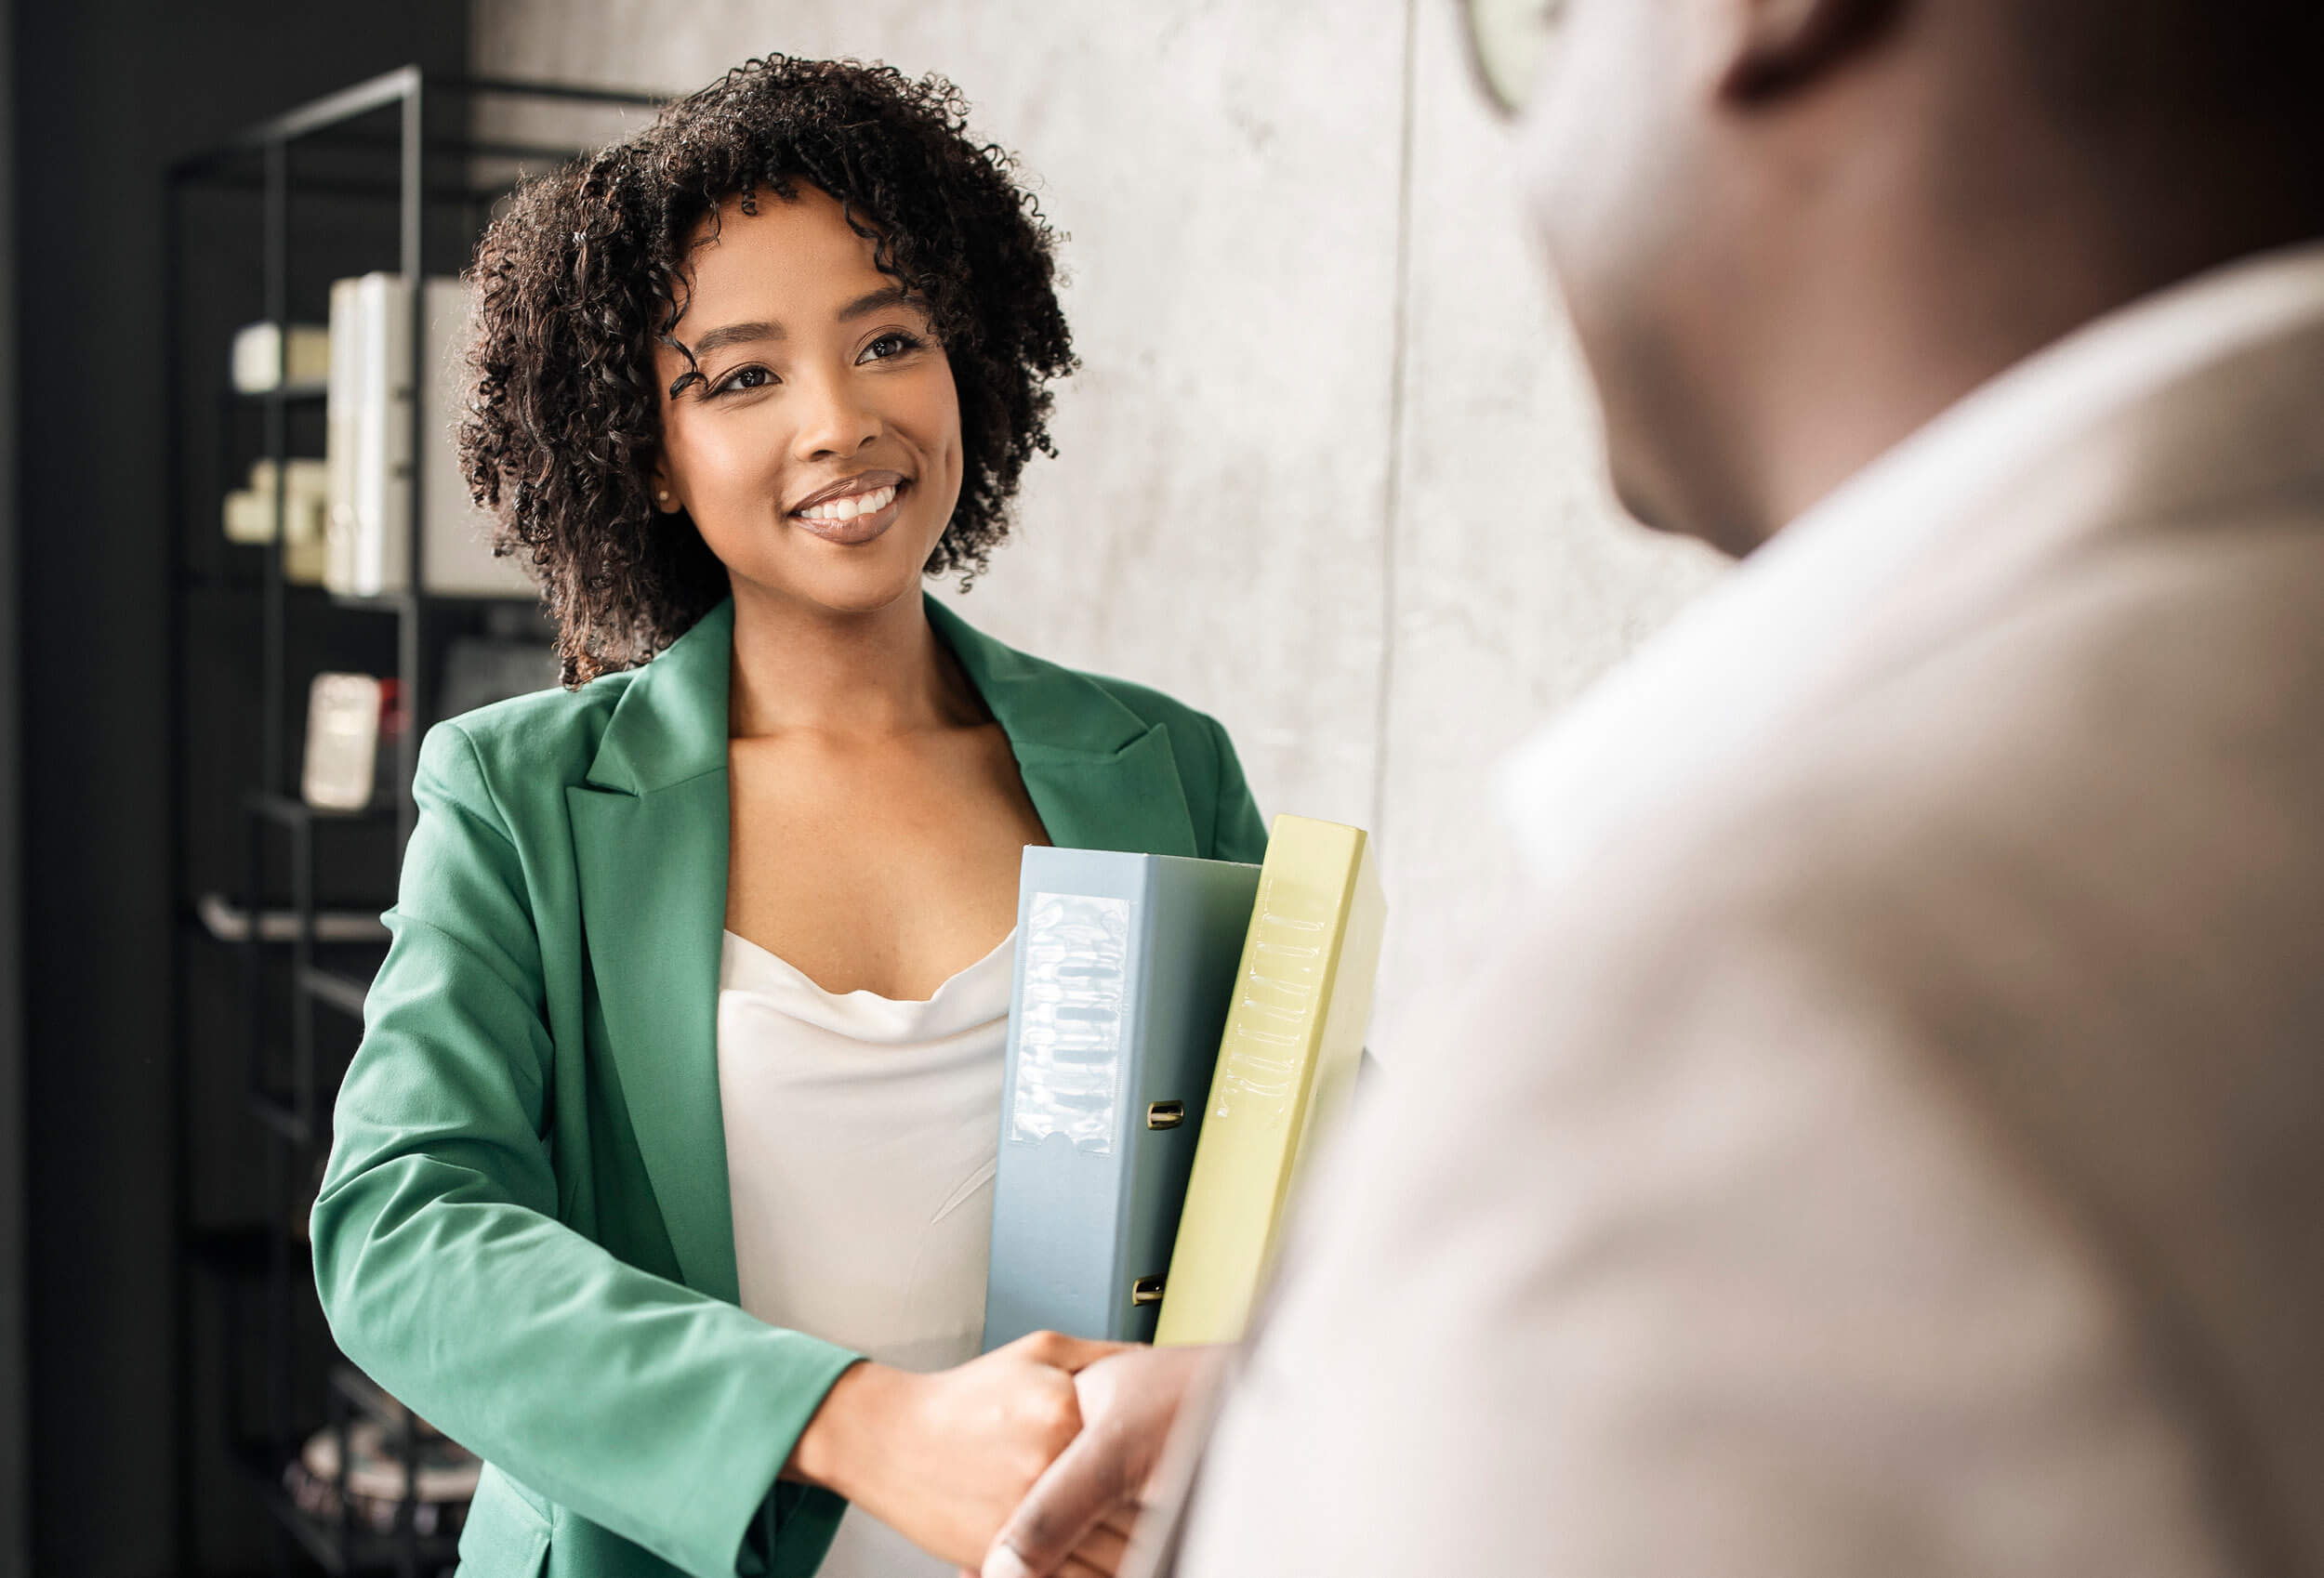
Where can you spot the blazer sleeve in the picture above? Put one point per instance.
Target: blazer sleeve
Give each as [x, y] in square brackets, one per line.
[1238, 831]
[660, 1413]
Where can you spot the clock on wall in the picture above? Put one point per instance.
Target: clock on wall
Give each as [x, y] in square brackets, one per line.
[1507, 40]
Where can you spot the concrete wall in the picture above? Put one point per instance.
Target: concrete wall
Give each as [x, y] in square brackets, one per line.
[1329, 470]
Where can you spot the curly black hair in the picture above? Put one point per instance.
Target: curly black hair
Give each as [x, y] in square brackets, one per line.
[581, 276]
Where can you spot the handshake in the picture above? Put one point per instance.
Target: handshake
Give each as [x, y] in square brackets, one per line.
[1031, 1460]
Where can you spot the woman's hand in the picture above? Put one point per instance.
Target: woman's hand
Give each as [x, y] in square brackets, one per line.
[944, 1459]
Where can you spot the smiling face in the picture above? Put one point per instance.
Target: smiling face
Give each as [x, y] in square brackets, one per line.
[815, 440]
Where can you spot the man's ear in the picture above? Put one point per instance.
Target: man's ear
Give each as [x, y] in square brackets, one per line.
[1777, 45]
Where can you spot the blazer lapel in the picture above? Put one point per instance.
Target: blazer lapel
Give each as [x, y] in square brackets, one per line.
[1100, 777]
[650, 837]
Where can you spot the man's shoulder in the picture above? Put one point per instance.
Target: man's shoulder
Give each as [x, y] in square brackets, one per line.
[2120, 760]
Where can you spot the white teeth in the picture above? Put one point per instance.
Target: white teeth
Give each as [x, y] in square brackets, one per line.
[848, 508]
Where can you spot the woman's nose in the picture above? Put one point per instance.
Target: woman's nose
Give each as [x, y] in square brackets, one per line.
[834, 420]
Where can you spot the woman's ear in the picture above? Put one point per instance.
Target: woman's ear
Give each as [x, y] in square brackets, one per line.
[1776, 45]
[666, 500]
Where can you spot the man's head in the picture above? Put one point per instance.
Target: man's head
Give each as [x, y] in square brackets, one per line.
[1791, 230]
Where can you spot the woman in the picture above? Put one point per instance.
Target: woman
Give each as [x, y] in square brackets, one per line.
[662, 1176]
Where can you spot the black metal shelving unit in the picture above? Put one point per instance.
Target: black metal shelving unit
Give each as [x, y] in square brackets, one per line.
[400, 162]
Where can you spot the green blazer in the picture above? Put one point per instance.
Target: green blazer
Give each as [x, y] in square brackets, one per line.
[524, 1230]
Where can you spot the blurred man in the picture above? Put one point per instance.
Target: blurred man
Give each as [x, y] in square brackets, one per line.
[1892, 1138]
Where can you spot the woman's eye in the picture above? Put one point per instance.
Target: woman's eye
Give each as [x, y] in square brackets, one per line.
[744, 379]
[894, 343]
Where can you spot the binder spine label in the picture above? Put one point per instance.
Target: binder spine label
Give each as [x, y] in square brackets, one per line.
[1076, 951]
[1282, 988]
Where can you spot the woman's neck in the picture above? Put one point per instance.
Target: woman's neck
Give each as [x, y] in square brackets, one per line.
[866, 676]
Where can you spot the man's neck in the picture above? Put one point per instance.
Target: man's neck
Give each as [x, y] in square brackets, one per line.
[1899, 314]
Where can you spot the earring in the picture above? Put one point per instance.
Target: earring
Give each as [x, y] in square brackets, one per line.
[661, 495]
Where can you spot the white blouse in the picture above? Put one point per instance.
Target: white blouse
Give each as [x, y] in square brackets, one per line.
[860, 1138]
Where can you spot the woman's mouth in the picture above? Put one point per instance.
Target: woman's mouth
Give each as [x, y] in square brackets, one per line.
[853, 519]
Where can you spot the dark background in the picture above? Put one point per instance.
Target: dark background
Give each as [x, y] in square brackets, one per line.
[111, 1364]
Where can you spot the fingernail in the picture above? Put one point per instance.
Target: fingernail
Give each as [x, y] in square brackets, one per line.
[1006, 1563]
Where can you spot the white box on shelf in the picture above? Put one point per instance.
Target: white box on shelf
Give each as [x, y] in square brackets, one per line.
[368, 437]
[342, 741]
[249, 516]
[250, 512]
[262, 360]
[338, 440]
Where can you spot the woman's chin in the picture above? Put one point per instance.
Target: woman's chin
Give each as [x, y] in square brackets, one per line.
[865, 585]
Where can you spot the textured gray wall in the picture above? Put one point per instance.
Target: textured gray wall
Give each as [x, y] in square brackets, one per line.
[1329, 469]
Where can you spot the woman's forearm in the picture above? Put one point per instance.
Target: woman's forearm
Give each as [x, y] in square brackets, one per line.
[840, 1445]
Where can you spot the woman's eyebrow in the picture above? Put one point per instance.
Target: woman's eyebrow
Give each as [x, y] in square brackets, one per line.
[861, 307]
[737, 334]
[878, 301]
